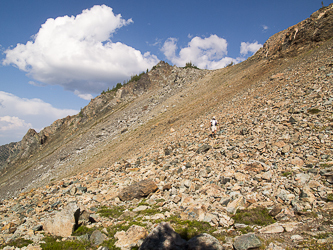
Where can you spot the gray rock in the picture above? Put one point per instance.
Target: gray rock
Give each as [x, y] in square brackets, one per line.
[84, 237]
[247, 241]
[203, 149]
[97, 238]
[204, 242]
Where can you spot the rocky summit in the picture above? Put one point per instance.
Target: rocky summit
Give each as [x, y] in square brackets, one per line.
[138, 167]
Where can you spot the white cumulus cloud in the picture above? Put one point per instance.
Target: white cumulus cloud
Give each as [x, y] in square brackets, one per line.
[17, 115]
[203, 52]
[77, 52]
[247, 47]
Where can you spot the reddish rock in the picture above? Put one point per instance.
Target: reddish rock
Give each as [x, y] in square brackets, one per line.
[138, 190]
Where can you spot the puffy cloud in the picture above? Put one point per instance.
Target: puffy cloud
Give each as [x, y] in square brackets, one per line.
[12, 129]
[77, 52]
[207, 52]
[10, 123]
[87, 97]
[17, 115]
[247, 47]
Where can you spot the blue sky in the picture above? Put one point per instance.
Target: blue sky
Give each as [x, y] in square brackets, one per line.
[57, 55]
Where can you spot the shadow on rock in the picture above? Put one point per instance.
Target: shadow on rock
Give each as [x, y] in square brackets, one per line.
[163, 237]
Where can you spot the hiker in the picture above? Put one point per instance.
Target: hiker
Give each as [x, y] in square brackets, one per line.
[213, 125]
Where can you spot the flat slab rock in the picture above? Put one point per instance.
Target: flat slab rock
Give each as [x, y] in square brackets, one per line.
[138, 190]
[247, 241]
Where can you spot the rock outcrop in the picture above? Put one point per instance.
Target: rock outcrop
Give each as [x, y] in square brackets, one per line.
[300, 37]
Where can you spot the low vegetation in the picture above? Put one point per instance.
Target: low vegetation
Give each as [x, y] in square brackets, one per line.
[189, 65]
[113, 212]
[20, 242]
[188, 229]
[256, 216]
[55, 243]
[134, 78]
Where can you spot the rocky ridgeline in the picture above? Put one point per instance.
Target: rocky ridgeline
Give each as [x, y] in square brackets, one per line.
[272, 160]
[300, 37]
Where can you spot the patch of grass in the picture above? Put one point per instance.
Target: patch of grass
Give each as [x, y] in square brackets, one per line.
[323, 236]
[325, 165]
[187, 229]
[313, 245]
[114, 212]
[20, 242]
[55, 243]
[149, 211]
[246, 230]
[143, 203]
[82, 230]
[256, 216]
[287, 174]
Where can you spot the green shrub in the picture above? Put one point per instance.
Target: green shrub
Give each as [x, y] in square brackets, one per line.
[81, 113]
[114, 89]
[190, 65]
[230, 64]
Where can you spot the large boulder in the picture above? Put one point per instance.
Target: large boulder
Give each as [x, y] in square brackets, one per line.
[63, 223]
[204, 242]
[138, 190]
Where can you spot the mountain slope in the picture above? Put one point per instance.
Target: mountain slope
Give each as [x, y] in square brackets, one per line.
[116, 125]
[268, 171]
